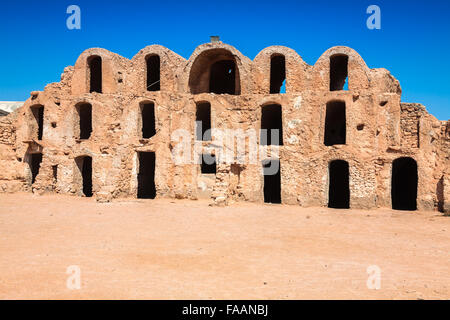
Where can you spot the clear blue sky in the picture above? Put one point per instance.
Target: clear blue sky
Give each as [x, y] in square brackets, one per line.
[413, 42]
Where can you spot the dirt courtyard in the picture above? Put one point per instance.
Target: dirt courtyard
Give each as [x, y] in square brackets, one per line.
[177, 249]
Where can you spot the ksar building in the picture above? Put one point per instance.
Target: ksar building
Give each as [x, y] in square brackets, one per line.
[347, 141]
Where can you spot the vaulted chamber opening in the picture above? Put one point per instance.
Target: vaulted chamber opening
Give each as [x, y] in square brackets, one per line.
[339, 185]
[215, 71]
[35, 161]
[95, 74]
[223, 77]
[271, 125]
[272, 181]
[84, 111]
[148, 120]
[404, 184]
[38, 115]
[153, 73]
[335, 123]
[146, 175]
[203, 121]
[277, 73]
[338, 72]
[208, 164]
[84, 164]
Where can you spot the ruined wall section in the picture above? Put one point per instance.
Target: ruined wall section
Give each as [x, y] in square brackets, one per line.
[11, 179]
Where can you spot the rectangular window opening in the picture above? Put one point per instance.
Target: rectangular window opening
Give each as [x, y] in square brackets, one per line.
[203, 121]
[85, 116]
[153, 73]
[38, 114]
[148, 120]
[271, 125]
[335, 123]
[208, 164]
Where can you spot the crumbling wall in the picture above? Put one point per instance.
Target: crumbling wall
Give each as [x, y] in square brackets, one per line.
[12, 177]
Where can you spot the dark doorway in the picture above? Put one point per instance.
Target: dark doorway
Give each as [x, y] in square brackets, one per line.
[203, 115]
[148, 120]
[271, 120]
[146, 176]
[404, 184]
[222, 78]
[153, 73]
[55, 173]
[338, 72]
[277, 73]
[208, 164]
[85, 114]
[272, 181]
[35, 165]
[335, 123]
[85, 166]
[38, 114]
[440, 194]
[339, 187]
[95, 70]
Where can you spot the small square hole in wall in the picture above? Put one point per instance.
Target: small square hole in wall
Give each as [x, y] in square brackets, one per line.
[53, 124]
[360, 127]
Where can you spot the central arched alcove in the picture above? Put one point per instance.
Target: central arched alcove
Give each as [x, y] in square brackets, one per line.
[215, 71]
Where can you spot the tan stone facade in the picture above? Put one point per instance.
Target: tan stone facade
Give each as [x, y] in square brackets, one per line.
[67, 139]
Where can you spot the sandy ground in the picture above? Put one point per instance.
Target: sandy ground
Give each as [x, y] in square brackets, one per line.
[174, 249]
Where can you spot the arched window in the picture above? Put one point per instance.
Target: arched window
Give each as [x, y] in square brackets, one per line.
[335, 123]
[271, 125]
[338, 72]
[339, 186]
[95, 74]
[277, 74]
[404, 184]
[215, 71]
[153, 73]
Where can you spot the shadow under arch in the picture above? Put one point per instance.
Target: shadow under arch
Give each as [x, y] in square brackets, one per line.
[215, 71]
